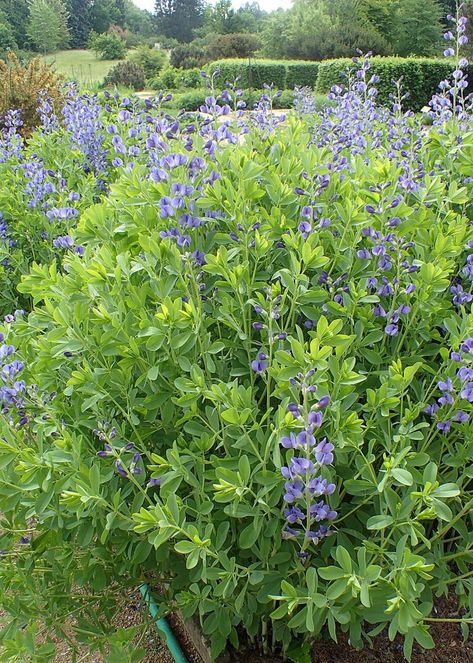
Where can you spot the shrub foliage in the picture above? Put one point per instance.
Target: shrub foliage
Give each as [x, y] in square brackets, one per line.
[246, 373]
[22, 87]
[127, 73]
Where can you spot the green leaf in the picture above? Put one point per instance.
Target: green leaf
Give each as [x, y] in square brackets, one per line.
[331, 572]
[336, 589]
[343, 558]
[404, 477]
[379, 522]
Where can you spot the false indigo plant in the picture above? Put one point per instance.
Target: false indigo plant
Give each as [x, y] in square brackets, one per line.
[245, 371]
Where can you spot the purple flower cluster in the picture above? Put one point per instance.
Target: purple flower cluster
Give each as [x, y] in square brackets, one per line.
[390, 253]
[306, 490]
[456, 393]
[62, 213]
[263, 116]
[42, 183]
[49, 120]
[82, 119]
[12, 389]
[335, 287]
[452, 101]
[66, 242]
[462, 296]
[127, 459]
[304, 101]
[11, 142]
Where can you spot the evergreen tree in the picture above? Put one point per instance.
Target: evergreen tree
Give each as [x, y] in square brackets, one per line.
[417, 27]
[7, 37]
[59, 7]
[46, 25]
[16, 13]
[121, 12]
[104, 13]
[79, 22]
[178, 18]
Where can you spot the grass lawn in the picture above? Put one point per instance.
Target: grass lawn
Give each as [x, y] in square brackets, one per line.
[81, 65]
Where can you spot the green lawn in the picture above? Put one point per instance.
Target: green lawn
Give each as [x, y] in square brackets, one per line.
[82, 66]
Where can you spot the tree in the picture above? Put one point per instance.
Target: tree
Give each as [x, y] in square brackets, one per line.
[7, 36]
[103, 14]
[47, 25]
[79, 22]
[59, 6]
[275, 34]
[417, 27]
[178, 18]
[16, 13]
[318, 29]
[139, 21]
[234, 45]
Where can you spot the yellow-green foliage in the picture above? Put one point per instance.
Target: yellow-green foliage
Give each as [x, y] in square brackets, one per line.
[22, 85]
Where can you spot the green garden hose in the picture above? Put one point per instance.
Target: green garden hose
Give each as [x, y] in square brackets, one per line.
[163, 626]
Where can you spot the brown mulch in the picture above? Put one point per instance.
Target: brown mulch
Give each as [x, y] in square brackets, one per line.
[449, 646]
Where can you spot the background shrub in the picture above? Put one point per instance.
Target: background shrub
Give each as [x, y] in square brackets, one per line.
[166, 42]
[152, 60]
[190, 101]
[166, 80]
[188, 56]
[234, 45]
[22, 85]
[188, 78]
[108, 46]
[128, 74]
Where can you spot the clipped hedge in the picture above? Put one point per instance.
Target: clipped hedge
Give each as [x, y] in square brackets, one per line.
[421, 76]
[251, 73]
[301, 73]
[285, 74]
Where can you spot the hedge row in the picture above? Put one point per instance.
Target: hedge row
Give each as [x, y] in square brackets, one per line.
[285, 74]
[194, 99]
[421, 76]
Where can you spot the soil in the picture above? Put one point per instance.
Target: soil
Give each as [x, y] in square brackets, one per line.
[450, 647]
[449, 644]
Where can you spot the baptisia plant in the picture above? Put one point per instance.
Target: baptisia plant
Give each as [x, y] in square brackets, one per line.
[222, 385]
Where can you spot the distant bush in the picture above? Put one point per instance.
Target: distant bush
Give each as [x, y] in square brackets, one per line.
[128, 74]
[22, 86]
[190, 101]
[108, 46]
[152, 60]
[166, 80]
[234, 45]
[166, 42]
[420, 77]
[188, 56]
[188, 78]
[133, 41]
